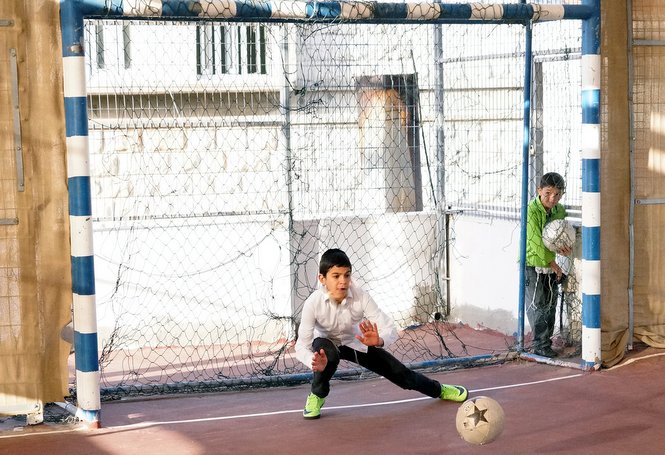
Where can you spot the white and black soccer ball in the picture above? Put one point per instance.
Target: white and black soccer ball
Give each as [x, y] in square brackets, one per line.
[480, 420]
[558, 234]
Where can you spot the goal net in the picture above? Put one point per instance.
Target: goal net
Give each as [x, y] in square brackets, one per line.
[227, 156]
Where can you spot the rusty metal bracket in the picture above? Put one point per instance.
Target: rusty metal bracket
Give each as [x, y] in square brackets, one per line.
[649, 201]
[18, 147]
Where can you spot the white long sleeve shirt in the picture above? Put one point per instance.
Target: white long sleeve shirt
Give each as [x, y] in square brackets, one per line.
[323, 317]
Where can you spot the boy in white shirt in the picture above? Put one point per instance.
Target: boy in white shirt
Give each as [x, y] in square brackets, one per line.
[342, 322]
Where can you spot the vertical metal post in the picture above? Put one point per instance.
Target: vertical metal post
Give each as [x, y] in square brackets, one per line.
[285, 109]
[80, 213]
[443, 217]
[591, 334]
[528, 59]
[536, 165]
[631, 212]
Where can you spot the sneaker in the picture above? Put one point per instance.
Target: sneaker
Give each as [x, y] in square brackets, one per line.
[453, 392]
[313, 407]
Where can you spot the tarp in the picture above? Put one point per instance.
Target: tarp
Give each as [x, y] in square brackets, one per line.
[644, 295]
[35, 276]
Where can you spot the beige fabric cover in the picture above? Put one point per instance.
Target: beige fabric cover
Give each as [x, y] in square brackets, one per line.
[35, 276]
[648, 112]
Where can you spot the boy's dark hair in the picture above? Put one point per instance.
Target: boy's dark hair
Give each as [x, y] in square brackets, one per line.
[554, 180]
[333, 258]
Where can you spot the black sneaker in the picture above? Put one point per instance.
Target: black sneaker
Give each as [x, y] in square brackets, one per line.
[546, 352]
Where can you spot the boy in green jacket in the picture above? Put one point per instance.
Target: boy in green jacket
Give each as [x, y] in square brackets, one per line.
[543, 274]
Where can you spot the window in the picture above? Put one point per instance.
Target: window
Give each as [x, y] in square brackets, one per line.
[126, 39]
[99, 46]
[103, 50]
[231, 49]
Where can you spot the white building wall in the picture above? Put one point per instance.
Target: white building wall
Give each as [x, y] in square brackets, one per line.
[484, 269]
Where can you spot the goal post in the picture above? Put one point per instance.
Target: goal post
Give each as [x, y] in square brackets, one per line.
[73, 14]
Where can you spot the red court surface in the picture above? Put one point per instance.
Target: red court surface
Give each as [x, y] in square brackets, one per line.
[549, 410]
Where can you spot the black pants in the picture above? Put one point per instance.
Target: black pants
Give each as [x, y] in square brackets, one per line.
[542, 291]
[375, 359]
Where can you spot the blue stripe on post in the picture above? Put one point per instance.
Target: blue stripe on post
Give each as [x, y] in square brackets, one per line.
[591, 106]
[519, 11]
[591, 29]
[321, 10]
[100, 7]
[88, 416]
[79, 196]
[456, 11]
[76, 116]
[591, 311]
[391, 10]
[588, 365]
[253, 9]
[71, 21]
[591, 175]
[180, 8]
[591, 243]
[577, 11]
[85, 354]
[83, 275]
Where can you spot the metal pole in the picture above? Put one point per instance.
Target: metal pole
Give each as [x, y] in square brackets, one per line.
[528, 59]
[443, 217]
[631, 212]
[591, 66]
[80, 214]
[285, 109]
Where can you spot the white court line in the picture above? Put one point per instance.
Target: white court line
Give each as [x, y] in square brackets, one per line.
[291, 411]
[628, 362]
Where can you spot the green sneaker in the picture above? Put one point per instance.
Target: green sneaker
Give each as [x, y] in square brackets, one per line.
[313, 407]
[453, 392]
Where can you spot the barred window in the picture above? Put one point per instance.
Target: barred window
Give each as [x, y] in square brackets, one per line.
[231, 49]
[101, 48]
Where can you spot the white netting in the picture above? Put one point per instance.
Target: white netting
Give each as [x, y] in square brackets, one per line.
[226, 157]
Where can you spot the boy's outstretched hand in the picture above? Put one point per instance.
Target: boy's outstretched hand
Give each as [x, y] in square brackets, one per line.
[370, 334]
[319, 361]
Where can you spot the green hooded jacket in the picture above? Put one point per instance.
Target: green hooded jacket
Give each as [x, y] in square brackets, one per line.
[537, 255]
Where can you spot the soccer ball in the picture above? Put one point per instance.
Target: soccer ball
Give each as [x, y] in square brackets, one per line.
[558, 234]
[479, 420]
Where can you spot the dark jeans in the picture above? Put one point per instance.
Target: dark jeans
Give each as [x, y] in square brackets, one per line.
[375, 359]
[540, 300]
